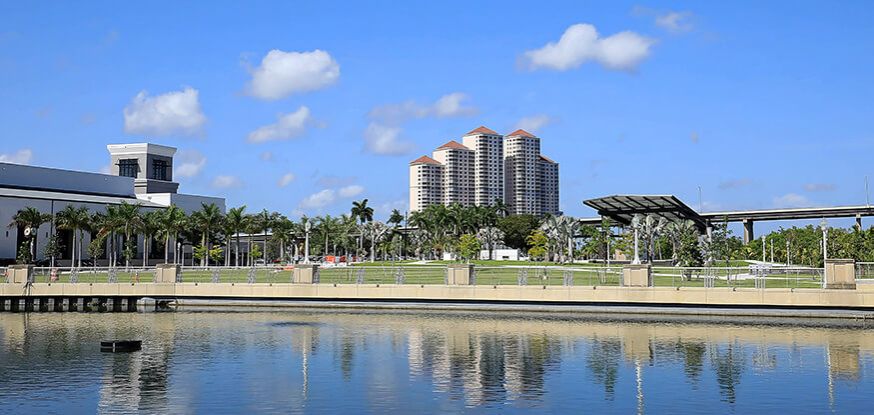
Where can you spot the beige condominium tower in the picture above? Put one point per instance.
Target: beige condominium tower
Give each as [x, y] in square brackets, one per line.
[485, 168]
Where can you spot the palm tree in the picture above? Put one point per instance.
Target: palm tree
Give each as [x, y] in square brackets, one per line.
[32, 218]
[500, 208]
[150, 227]
[64, 221]
[264, 221]
[364, 214]
[251, 227]
[328, 225]
[206, 219]
[237, 219]
[395, 218]
[284, 231]
[131, 220]
[170, 222]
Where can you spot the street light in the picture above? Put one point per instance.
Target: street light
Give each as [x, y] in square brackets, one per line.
[306, 245]
[635, 224]
[824, 226]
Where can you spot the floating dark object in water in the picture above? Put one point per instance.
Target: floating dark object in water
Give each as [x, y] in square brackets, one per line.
[121, 346]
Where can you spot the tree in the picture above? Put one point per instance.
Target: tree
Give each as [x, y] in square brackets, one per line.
[236, 221]
[538, 242]
[149, 227]
[75, 220]
[32, 218]
[490, 237]
[516, 229]
[374, 230]
[52, 249]
[364, 214]
[328, 226]
[171, 221]
[468, 247]
[128, 215]
[395, 218]
[207, 219]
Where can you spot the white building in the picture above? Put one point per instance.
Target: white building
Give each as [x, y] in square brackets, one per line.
[141, 174]
[486, 168]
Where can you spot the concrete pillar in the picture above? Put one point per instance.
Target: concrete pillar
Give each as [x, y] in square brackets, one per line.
[748, 231]
[460, 274]
[304, 273]
[20, 273]
[858, 222]
[166, 273]
[637, 275]
[840, 274]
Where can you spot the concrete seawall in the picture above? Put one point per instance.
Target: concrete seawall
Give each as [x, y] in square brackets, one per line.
[656, 299]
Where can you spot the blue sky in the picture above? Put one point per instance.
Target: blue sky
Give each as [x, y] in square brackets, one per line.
[760, 104]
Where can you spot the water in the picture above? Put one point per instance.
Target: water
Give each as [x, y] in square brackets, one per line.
[311, 361]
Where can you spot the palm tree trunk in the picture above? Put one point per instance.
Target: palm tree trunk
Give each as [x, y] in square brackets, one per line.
[237, 251]
[204, 260]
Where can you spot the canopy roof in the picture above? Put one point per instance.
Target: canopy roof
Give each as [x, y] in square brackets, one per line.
[622, 208]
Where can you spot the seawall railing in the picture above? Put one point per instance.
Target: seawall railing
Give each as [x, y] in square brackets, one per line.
[706, 277]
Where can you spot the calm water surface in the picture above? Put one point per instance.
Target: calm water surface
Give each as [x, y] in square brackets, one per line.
[316, 362]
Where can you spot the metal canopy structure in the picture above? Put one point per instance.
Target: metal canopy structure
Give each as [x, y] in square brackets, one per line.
[622, 208]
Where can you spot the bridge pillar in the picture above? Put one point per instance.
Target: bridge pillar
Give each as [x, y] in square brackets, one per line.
[840, 274]
[748, 231]
[858, 222]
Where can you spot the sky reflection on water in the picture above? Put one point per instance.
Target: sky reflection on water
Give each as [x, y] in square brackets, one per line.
[316, 361]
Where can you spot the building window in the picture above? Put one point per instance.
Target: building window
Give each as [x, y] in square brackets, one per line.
[128, 167]
[159, 169]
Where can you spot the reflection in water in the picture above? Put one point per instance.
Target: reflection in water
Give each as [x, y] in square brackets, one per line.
[314, 361]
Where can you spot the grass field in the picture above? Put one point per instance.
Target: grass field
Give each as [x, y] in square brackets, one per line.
[436, 274]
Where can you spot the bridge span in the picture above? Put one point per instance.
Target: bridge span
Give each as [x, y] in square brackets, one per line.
[621, 208]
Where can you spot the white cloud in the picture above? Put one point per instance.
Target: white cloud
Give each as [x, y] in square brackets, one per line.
[175, 112]
[819, 187]
[581, 43]
[734, 184]
[286, 179]
[226, 182]
[792, 200]
[351, 190]
[385, 140]
[22, 156]
[534, 122]
[318, 200]
[287, 126]
[189, 163]
[449, 105]
[266, 156]
[284, 73]
[674, 22]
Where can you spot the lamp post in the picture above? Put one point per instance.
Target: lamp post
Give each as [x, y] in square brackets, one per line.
[823, 225]
[635, 224]
[306, 245]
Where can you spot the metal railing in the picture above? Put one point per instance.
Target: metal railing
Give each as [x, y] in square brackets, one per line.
[567, 276]
[864, 270]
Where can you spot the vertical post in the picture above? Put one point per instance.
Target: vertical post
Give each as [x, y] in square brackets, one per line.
[858, 221]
